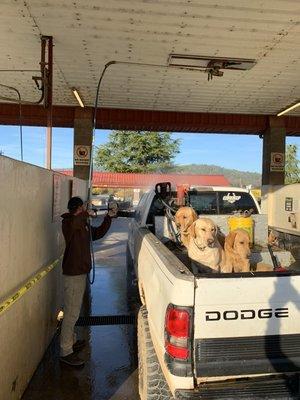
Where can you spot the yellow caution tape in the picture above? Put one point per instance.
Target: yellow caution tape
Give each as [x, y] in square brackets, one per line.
[28, 285]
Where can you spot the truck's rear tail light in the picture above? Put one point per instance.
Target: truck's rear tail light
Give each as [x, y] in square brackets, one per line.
[178, 332]
[177, 352]
[179, 342]
[177, 322]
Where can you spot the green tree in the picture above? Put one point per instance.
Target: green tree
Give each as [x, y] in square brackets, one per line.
[292, 170]
[137, 151]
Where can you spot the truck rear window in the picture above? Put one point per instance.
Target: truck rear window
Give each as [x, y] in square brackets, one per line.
[221, 203]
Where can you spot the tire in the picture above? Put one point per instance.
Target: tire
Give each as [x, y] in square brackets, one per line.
[152, 383]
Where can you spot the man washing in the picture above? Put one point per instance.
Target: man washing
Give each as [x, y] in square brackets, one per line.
[76, 265]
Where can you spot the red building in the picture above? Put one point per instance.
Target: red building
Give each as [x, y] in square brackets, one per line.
[144, 181]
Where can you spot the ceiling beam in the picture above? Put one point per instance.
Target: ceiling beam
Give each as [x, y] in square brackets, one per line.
[128, 119]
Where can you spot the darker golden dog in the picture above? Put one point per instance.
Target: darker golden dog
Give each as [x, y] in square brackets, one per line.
[184, 218]
[237, 252]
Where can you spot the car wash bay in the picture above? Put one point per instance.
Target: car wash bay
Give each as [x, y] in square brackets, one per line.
[110, 371]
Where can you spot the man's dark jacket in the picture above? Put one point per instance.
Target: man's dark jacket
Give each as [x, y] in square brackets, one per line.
[77, 256]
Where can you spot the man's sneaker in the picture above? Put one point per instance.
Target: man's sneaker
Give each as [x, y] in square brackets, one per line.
[73, 360]
[79, 345]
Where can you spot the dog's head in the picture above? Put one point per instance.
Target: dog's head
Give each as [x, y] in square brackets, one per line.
[238, 241]
[184, 218]
[204, 232]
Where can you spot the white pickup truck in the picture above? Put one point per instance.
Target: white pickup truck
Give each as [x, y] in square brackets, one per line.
[211, 336]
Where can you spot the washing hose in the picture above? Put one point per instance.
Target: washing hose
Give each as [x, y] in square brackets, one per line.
[91, 276]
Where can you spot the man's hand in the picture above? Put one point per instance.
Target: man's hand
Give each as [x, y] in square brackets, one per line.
[87, 205]
[113, 213]
[92, 213]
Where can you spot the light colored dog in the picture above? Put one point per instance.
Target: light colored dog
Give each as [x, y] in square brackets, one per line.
[237, 252]
[204, 248]
[184, 218]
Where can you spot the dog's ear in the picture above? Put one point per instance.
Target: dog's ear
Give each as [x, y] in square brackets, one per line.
[221, 237]
[229, 241]
[192, 230]
[216, 231]
[177, 217]
[194, 215]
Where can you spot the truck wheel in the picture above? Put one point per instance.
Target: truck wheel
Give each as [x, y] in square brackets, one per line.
[152, 384]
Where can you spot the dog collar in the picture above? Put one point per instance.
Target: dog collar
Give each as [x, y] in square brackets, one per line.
[200, 248]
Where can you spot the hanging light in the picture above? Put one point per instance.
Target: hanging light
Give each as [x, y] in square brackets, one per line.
[288, 109]
[78, 98]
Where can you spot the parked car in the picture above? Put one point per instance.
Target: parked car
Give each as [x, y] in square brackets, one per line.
[100, 201]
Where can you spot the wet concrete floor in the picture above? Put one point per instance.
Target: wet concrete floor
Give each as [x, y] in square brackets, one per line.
[110, 371]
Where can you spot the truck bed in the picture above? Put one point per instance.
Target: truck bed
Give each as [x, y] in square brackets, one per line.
[260, 259]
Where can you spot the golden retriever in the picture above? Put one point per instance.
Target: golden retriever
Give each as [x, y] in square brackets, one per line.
[184, 218]
[204, 247]
[237, 251]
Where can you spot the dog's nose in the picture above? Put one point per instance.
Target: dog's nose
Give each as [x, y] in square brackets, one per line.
[210, 241]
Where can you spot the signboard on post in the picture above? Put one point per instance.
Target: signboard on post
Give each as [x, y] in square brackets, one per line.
[82, 154]
[277, 162]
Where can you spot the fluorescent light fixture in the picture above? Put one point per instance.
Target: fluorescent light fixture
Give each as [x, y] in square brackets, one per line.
[288, 109]
[78, 98]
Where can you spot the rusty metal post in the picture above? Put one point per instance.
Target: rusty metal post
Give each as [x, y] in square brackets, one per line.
[48, 77]
[83, 136]
[273, 165]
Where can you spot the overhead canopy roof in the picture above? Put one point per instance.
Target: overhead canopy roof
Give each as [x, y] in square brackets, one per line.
[89, 33]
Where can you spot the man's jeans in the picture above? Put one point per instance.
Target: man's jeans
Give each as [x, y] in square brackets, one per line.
[74, 287]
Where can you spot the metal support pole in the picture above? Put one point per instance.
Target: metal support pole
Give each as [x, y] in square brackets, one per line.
[48, 94]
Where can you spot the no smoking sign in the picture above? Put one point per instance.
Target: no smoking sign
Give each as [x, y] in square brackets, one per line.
[82, 155]
[277, 162]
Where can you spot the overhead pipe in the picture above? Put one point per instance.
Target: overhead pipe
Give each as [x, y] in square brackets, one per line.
[46, 78]
[45, 70]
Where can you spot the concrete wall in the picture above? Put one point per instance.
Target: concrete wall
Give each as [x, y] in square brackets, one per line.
[29, 240]
[282, 205]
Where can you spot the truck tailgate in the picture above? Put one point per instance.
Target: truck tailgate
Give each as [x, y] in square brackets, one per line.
[247, 325]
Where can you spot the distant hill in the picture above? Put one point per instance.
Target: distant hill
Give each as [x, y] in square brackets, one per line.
[235, 177]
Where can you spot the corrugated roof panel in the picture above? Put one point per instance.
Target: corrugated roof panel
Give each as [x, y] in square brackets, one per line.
[130, 180]
[88, 33]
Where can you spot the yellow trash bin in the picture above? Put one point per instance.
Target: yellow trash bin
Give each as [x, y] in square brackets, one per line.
[245, 223]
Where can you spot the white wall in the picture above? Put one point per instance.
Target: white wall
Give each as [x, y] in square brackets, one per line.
[274, 199]
[29, 240]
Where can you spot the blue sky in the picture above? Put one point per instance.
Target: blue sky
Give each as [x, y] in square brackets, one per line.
[242, 152]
